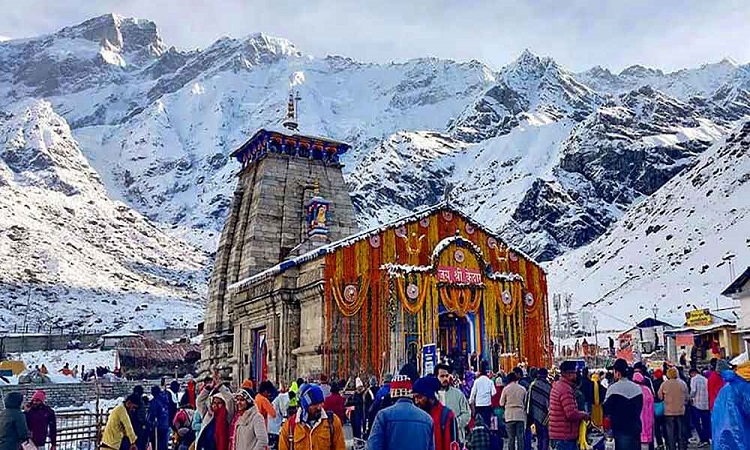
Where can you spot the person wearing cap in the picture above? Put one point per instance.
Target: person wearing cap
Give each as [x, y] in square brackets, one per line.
[674, 393]
[623, 405]
[403, 425]
[312, 428]
[118, 426]
[564, 417]
[41, 421]
[659, 427]
[356, 405]
[454, 399]
[248, 428]
[537, 407]
[444, 423]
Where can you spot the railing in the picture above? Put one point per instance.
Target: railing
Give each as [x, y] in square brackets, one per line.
[80, 429]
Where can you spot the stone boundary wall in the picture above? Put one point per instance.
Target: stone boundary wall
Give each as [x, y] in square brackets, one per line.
[32, 342]
[74, 394]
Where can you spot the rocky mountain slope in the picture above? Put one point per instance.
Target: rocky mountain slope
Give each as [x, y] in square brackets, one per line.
[668, 250]
[550, 158]
[69, 255]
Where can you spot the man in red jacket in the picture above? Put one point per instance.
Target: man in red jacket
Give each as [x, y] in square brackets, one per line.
[336, 403]
[715, 382]
[443, 419]
[564, 416]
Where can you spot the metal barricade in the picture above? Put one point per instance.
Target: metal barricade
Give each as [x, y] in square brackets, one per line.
[80, 429]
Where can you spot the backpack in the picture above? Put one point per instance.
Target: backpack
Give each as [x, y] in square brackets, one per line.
[293, 423]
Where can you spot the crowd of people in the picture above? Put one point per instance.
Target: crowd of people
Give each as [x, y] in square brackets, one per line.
[537, 408]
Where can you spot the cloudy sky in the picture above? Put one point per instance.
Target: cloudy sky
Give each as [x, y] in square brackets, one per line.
[668, 34]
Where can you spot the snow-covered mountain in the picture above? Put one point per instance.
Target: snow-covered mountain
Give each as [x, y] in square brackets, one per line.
[668, 250]
[69, 255]
[551, 159]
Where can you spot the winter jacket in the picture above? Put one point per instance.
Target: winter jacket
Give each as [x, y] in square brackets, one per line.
[730, 420]
[202, 402]
[564, 417]
[281, 406]
[317, 437]
[623, 405]
[42, 423]
[399, 427]
[250, 431]
[715, 383]
[647, 415]
[158, 412]
[512, 400]
[457, 402]
[444, 427]
[537, 401]
[118, 428]
[13, 430]
[335, 403]
[674, 392]
[479, 437]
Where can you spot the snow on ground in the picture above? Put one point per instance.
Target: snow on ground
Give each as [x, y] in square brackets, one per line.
[56, 359]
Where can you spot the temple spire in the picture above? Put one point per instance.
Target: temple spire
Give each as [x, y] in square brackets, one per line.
[290, 121]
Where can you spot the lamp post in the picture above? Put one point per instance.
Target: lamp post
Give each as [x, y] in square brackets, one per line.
[595, 322]
[556, 304]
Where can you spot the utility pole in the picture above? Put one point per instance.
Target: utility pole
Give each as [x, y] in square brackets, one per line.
[728, 258]
[655, 310]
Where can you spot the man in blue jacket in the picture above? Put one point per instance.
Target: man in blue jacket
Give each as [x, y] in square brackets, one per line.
[403, 425]
[158, 419]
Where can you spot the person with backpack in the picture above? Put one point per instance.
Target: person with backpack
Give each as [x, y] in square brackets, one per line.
[403, 425]
[158, 419]
[312, 428]
[248, 428]
[183, 424]
[445, 426]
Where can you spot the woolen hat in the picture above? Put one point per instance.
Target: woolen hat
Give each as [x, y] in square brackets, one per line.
[400, 386]
[638, 378]
[427, 386]
[310, 394]
[722, 365]
[39, 395]
[358, 383]
[245, 393]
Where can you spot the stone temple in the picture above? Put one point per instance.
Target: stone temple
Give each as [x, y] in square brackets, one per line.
[298, 290]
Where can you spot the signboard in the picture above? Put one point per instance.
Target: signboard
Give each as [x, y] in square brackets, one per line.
[459, 275]
[625, 347]
[429, 359]
[698, 317]
[684, 340]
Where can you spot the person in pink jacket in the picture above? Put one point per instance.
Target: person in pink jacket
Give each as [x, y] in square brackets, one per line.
[647, 413]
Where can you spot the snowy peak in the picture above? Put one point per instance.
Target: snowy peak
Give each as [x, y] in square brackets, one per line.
[531, 89]
[40, 151]
[118, 33]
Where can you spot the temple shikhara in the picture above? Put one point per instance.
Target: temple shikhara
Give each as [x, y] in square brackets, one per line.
[298, 290]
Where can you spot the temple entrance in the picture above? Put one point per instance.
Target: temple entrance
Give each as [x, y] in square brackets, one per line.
[454, 334]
